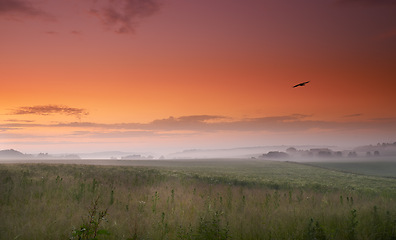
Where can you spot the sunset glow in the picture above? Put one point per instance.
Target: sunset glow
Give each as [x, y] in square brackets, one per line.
[163, 76]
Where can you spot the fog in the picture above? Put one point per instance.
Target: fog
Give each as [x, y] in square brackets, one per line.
[293, 153]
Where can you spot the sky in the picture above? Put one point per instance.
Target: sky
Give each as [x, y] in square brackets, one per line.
[168, 75]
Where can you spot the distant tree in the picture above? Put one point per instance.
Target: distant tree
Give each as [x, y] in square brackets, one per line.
[43, 155]
[376, 153]
[338, 154]
[352, 154]
[291, 150]
[368, 154]
[324, 154]
[275, 154]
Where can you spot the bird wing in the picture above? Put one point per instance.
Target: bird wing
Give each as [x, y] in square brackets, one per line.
[301, 84]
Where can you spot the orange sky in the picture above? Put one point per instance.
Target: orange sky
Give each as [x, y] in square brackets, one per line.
[152, 75]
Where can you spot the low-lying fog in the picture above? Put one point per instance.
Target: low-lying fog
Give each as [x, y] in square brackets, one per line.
[305, 153]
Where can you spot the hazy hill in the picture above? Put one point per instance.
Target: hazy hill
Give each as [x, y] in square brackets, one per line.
[243, 152]
[110, 154]
[384, 149]
[11, 153]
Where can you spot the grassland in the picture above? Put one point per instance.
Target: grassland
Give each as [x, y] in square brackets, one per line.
[385, 167]
[207, 199]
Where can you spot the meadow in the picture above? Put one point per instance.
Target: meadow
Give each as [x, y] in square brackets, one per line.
[385, 166]
[194, 199]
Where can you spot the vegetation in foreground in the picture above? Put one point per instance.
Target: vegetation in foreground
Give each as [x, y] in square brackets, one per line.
[194, 200]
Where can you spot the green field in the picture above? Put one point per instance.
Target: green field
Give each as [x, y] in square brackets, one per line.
[379, 167]
[194, 199]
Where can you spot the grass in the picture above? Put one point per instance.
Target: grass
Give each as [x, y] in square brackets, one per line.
[218, 199]
[379, 167]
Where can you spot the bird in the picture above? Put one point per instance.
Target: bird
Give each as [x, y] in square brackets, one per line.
[301, 84]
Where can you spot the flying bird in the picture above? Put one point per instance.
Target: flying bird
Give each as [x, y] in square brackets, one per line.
[301, 84]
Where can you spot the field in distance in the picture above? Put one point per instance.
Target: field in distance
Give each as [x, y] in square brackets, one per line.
[385, 167]
[195, 199]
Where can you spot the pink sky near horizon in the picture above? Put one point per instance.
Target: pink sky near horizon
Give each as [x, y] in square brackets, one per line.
[80, 76]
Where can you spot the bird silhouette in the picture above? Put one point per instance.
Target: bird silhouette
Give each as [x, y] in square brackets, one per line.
[301, 84]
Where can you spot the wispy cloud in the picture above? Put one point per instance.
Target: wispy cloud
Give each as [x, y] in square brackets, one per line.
[22, 8]
[199, 118]
[202, 123]
[193, 122]
[50, 109]
[122, 16]
[113, 134]
[19, 121]
[4, 129]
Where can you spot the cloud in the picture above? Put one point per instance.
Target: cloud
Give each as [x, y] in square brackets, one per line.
[122, 16]
[284, 123]
[196, 124]
[18, 6]
[193, 122]
[113, 134]
[213, 123]
[18, 121]
[199, 118]
[22, 8]
[294, 122]
[101, 125]
[50, 109]
[4, 129]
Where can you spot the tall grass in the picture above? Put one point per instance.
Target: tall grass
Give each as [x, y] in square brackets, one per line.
[60, 201]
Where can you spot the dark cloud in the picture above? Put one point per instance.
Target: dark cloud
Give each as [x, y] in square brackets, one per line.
[50, 109]
[22, 8]
[122, 16]
[18, 6]
[19, 121]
